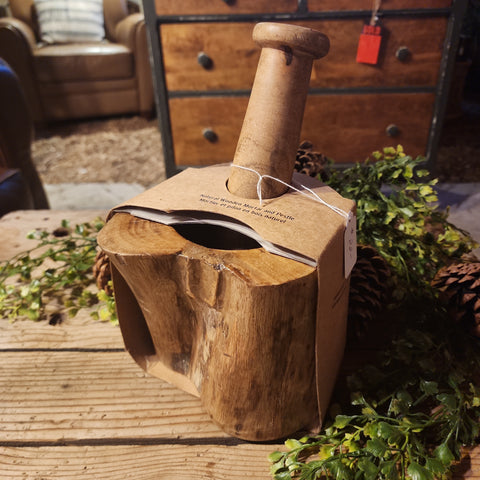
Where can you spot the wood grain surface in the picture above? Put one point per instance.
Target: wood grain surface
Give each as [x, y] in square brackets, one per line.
[168, 460]
[270, 132]
[74, 408]
[87, 411]
[73, 403]
[346, 127]
[225, 324]
[93, 395]
[15, 226]
[73, 333]
[235, 55]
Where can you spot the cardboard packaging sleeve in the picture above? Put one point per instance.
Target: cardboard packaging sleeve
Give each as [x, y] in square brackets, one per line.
[258, 333]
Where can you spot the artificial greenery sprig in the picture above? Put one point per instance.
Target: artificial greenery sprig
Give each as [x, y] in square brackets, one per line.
[408, 415]
[398, 215]
[58, 270]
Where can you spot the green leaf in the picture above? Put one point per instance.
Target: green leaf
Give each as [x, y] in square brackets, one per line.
[368, 468]
[371, 429]
[358, 399]
[396, 173]
[283, 475]
[448, 399]
[428, 387]
[377, 447]
[426, 190]
[404, 397]
[341, 421]
[274, 457]
[393, 435]
[444, 454]
[435, 466]
[340, 470]
[408, 212]
[291, 443]
[408, 173]
[385, 430]
[389, 470]
[417, 472]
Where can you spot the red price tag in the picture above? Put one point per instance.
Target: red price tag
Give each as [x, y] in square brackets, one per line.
[369, 44]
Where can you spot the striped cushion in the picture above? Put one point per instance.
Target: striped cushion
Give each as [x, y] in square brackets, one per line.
[67, 21]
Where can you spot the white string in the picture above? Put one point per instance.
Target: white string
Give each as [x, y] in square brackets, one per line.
[314, 196]
[375, 9]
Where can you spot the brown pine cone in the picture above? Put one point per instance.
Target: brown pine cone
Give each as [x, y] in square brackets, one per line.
[459, 287]
[102, 272]
[309, 162]
[368, 289]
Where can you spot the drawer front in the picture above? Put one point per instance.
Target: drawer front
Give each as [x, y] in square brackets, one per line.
[346, 128]
[223, 7]
[341, 5]
[193, 118]
[230, 55]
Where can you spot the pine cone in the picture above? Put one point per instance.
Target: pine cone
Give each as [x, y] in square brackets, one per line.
[102, 272]
[459, 286]
[310, 162]
[368, 289]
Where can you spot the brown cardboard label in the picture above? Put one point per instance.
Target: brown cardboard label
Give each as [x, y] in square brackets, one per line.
[298, 222]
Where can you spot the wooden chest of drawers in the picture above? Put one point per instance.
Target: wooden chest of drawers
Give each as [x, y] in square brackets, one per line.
[205, 60]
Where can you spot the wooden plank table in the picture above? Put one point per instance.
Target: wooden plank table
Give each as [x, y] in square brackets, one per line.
[73, 403]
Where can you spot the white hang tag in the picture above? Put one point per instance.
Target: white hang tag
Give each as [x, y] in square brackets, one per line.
[350, 244]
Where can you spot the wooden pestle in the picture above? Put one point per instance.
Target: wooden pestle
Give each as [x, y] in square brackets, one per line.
[270, 133]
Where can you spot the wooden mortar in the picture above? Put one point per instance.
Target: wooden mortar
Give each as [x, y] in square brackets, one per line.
[234, 325]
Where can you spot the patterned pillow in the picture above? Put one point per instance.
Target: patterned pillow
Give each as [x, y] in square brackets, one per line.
[67, 21]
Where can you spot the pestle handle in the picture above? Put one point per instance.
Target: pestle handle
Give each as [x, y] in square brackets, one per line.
[271, 128]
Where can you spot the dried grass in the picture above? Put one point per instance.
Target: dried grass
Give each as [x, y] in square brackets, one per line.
[126, 149]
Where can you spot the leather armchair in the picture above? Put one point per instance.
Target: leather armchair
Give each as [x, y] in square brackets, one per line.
[79, 80]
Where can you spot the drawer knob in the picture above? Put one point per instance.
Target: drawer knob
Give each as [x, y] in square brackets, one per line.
[229, 2]
[210, 135]
[403, 54]
[205, 61]
[392, 130]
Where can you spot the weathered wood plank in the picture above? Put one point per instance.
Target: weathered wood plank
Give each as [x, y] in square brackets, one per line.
[469, 466]
[179, 460]
[67, 395]
[139, 462]
[155, 462]
[15, 226]
[78, 332]
[68, 412]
